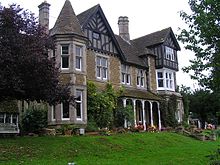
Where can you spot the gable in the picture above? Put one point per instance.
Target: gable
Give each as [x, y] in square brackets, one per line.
[99, 32]
[170, 41]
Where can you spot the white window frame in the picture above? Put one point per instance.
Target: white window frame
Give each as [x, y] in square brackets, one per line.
[81, 105]
[53, 113]
[62, 113]
[65, 55]
[125, 74]
[140, 78]
[102, 69]
[79, 56]
[168, 79]
[169, 53]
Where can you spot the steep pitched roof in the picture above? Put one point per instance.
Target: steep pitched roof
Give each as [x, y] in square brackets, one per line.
[84, 16]
[155, 38]
[67, 22]
[130, 51]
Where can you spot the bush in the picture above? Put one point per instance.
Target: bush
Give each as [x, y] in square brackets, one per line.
[33, 120]
[91, 126]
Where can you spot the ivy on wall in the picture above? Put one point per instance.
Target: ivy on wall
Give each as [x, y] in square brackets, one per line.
[168, 109]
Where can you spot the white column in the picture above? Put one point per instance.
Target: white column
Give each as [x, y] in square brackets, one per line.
[144, 117]
[125, 121]
[134, 108]
[159, 124]
[151, 114]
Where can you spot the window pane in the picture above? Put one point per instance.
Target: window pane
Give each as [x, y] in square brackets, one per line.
[14, 119]
[78, 62]
[142, 81]
[104, 62]
[66, 110]
[138, 80]
[160, 83]
[78, 51]
[104, 73]
[65, 61]
[159, 74]
[65, 49]
[98, 72]
[128, 79]
[123, 68]
[78, 110]
[78, 103]
[98, 61]
[123, 77]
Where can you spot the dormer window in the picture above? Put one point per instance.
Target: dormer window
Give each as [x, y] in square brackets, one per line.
[125, 75]
[169, 53]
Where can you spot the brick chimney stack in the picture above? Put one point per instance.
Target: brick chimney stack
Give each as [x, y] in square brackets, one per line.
[44, 15]
[124, 28]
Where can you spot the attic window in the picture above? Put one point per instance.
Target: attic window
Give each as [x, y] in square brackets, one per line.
[96, 35]
[169, 53]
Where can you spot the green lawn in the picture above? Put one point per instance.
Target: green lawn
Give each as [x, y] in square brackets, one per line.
[123, 149]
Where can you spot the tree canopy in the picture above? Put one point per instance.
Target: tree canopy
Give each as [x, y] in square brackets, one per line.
[26, 71]
[203, 38]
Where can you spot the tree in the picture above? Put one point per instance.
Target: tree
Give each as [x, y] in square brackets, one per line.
[204, 105]
[203, 38]
[26, 71]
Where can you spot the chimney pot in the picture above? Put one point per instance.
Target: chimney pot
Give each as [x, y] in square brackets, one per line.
[124, 28]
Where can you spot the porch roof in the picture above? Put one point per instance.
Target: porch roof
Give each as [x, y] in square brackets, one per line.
[141, 94]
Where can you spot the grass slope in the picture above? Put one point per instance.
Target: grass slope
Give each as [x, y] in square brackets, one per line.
[124, 149]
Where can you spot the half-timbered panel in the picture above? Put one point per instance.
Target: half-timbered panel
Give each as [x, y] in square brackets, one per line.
[99, 36]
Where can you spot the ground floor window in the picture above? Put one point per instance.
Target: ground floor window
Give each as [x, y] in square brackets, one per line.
[53, 113]
[79, 104]
[65, 110]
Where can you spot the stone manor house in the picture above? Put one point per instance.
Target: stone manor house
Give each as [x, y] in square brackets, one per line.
[87, 49]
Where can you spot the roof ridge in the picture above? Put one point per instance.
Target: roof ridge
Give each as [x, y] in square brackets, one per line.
[168, 28]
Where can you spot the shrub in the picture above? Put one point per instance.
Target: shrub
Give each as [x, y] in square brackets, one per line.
[34, 119]
[91, 126]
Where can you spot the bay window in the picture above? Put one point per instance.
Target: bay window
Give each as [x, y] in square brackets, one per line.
[65, 111]
[78, 104]
[165, 80]
[79, 54]
[64, 57]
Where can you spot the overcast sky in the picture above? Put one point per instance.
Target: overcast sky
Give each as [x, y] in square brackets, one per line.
[145, 16]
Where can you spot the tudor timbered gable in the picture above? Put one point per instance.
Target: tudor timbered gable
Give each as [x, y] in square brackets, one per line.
[99, 33]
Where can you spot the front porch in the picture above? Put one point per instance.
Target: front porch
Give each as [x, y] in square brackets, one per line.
[146, 113]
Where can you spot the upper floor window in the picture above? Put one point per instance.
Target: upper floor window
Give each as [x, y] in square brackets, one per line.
[140, 78]
[79, 54]
[125, 75]
[165, 80]
[78, 104]
[101, 68]
[64, 56]
[169, 53]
